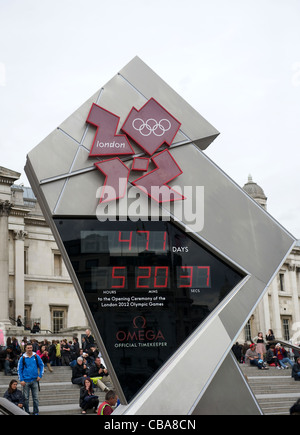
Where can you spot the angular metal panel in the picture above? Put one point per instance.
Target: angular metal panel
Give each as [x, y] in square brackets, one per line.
[75, 125]
[221, 398]
[233, 222]
[235, 228]
[148, 83]
[58, 148]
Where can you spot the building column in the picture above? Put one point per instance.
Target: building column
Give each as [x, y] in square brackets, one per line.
[276, 326]
[5, 208]
[295, 327]
[19, 237]
[265, 324]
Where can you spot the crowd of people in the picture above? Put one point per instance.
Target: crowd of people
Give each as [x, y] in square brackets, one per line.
[30, 359]
[265, 352]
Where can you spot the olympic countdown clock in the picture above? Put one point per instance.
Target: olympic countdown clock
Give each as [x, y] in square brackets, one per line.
[120, 182]
[149, 285]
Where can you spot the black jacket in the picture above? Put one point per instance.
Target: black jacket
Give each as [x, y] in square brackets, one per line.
[295, 370]
[78, 371]
[84, 394]
[94, 371]
[16, 397]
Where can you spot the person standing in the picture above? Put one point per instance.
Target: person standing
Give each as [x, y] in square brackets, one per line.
[65, 352]
[260, 346]
[89, 339]
[30, 371]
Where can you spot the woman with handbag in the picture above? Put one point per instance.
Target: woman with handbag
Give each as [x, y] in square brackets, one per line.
[87, 398]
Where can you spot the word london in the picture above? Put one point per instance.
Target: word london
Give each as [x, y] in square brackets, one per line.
[113, 144]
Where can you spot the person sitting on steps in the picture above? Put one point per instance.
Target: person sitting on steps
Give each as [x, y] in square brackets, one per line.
[99, 374]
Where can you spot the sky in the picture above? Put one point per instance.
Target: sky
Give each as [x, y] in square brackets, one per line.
[236, 62]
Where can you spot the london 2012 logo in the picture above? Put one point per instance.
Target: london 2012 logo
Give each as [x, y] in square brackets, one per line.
[148, 130]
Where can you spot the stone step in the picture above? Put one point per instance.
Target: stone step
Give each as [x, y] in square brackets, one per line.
[57, 396]
[274, 389]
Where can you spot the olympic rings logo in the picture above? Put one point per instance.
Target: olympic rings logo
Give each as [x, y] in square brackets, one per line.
[151, 126]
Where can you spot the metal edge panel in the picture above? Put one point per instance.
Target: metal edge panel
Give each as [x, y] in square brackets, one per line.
[221, 397]
[149, 84]
[48, 217]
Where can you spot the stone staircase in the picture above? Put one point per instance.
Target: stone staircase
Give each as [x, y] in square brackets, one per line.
[58, 396]
[275, 390]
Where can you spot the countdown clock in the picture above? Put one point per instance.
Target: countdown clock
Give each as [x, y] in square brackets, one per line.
[149, 285]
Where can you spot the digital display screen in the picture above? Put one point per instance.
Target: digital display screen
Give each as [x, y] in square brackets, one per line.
[149, 285]
[125, 242]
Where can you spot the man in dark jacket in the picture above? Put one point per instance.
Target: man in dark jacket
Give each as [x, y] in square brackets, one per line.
[8, 360]
[296, 370]
[89, 339]
[99, 374]
[79, 372]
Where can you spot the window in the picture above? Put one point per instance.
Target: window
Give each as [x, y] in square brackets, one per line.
[27, 316]
[286, 329]
[26, 261]
[281, 282]
[58, 318]
[57, 265]
[247, 330]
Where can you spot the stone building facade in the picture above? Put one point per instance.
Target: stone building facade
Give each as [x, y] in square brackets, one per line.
[279, 309]
[34, 281]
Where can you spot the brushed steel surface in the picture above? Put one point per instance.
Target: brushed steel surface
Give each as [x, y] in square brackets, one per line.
[234, 226]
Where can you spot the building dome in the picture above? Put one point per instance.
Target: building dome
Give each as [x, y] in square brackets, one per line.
[255, 191]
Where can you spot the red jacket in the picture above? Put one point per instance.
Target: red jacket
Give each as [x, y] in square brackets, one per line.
[280, 353]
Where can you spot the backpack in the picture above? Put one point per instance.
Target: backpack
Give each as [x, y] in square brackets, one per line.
[24, 362]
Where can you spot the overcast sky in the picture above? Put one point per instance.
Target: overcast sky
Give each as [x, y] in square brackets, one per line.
[236, 62]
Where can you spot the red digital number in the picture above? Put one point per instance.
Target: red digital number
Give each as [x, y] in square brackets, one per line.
[123, 279]
[138, 285]
[165, 284]
[165, 241]
[190, 276]
[148, 238]
[129, 241]
[207, 272]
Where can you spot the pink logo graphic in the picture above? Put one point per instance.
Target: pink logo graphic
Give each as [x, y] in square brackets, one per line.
[154, 183]
[150, 127]
[107, 142]
[116, 179]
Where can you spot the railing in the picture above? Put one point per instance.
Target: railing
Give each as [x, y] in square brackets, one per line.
[28, 331]
[285, 344]
[8, 408]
